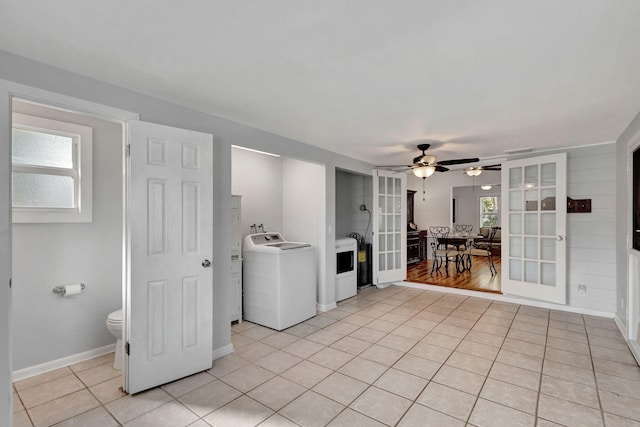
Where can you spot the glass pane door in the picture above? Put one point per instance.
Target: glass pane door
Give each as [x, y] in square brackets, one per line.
[534, 234]
[390, 204]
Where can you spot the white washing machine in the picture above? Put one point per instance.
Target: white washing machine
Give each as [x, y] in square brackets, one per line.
[279, 281]
[346, 277]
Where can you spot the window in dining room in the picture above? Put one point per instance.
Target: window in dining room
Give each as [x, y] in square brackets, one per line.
[489, 211]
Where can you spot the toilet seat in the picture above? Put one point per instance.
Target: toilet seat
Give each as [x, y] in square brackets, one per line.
[115, 317]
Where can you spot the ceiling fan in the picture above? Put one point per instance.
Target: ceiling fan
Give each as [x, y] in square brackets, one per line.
[477, 170]
[426, 164]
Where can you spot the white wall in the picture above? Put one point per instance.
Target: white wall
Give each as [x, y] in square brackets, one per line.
[258, 179]
[47, 326]
[468, 203]
[353, 190]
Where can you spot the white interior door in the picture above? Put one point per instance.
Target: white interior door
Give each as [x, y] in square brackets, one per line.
[169, 291]
[534, 212]
[390, 232]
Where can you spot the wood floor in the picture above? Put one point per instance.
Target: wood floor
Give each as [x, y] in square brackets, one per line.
[479, 278]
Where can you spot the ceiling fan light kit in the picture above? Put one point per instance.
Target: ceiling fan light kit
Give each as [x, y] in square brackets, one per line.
[424, 171]
[473, 172]
[426, 165]
[486, 187]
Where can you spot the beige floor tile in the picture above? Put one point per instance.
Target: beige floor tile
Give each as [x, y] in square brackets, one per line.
[42, 378]
[227, 364]
[108, 391]
[620, 405]
[569, 326]
[98, 374]
[510, 395]
[434, 318]
[469, 363]
[51, 390]
[422, 324]
[324, 337]
[239, 341]
[527, 348]
[569, 373]
[277, 392]
[617, 369]
[306, 373]
[210, 397]
[395, 318]
[17, 403]
[187, 384]
[21, 419]
[357, 319]
[530, 337]
[516, 376]
[501, 324]
[63, 408]
[381, 354]
[520, 360]
[278, 361]
[351, 345]
[482, 338]
[453, 331]
[420, 416]
[489, 328]
[613, 355]
[303, 348]
[397, 342]
[604, 332]
[368, 334]
[610, 343]
[279, 339]
[545, 423]
[331, 358]
[276, 420]
[489, 414]
[100, 360]
[447, 400]
[363, 370]
[569, 358]
[456, 321]
[312, 409]
[301, 330]
[441, 340]
[254, 351]
[241, 326]
[431, 352]
[243, 411]
[258, 332]
[132, 406]
[612, 420]
[171, 414]
[566, 345]
[401, 383]
[417, 366]
[568, 413]
[381, 405]
[573, 392]
[459, 379]
[621, 386]
[342, 328]
[351, 418]
[247, 378]
[531, 320]
[464, 314]
[340, 388]
[567, 335]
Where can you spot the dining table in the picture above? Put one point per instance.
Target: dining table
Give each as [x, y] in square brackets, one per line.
[458, 241]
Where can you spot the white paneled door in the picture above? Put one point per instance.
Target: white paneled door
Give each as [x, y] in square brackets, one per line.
[169, 291]
[534, 211]
[390, 229]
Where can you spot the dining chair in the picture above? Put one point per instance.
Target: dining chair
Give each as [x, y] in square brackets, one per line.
[462, 229]
[441, 252]
[485, 252]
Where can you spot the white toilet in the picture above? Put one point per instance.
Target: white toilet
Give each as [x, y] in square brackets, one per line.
[114, 325]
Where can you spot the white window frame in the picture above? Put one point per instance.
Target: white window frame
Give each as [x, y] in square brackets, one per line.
[82, 172]
[498, 219]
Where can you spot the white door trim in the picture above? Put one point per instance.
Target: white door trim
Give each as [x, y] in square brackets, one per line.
[633, 256]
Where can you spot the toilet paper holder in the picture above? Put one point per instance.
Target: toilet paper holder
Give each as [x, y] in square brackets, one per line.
[60, 289]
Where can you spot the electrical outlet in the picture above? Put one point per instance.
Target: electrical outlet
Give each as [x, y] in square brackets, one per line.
[363, 207]
[582, 289]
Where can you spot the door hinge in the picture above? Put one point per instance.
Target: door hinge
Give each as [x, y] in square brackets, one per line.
[128, 150]
[127, 347]
[9, 282]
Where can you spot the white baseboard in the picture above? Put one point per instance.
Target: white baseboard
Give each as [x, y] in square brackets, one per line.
[31, 371]
[326, 307]
[510, 299]
[222, 351]
[634, 346]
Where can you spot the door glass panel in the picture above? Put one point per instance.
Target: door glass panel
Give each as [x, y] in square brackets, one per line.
[531, 176]
[548, 274]
[389, 222]
[389, 186]
[515, 269]
[515, 201]
[398, 204]
[397, 224]
[531, 200]
[548, 249]
[531, 247]
[548, 196]
[531, 223]
[389, 204]
[398, 186]
[381, 241]
[390, 261]
[548, 174]
[397, 237]
[548, 224]
[390, 242]
[398, 260]
[515, 178]
[515, 223]
[515, 247]
[531, 271]
[381, 185]
[382, 206]
[381, 264]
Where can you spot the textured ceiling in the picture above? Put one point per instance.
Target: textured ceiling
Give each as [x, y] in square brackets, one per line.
[369, 79]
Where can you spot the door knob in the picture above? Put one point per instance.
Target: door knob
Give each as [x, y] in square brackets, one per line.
[206, 263]
[560, 238]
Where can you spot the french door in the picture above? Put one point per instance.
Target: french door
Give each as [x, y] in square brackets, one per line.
[169, 290]
[534, 228]
[390, 227]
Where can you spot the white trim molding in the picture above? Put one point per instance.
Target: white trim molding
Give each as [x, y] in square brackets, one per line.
[222, 351]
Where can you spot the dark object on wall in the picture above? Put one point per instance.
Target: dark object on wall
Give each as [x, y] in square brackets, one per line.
[578, 205]
[365, 268]
[635, 187]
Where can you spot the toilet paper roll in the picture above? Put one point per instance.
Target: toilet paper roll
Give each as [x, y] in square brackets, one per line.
[71, 290]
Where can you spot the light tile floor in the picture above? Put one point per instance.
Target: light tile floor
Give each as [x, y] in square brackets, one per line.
[396, 356]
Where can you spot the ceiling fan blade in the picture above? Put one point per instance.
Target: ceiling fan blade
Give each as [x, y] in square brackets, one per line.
[440, 168]
[392, 166]
[458, 161]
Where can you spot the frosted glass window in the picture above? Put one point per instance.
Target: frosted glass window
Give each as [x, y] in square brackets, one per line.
[531, 271]
[382, 204]
[389, 222]
[531, 176]
[548, 174]
[381, 185]
[381, 262]
[548, 274]
[381, 222]
[515, 223]
[397, 257]
[548, 249]
[515, 269]
[515, 178]
[515, 247]
[381, 241]
[531, 200]
[548, 224]
[397, 223]
[531, 247]
[398, 205]
[42, 191]
[390, 243]
[42, 149]
[515, 201]
[397, 239]
[390, 261]
[548, 196]
[51, 167]
[390, 209]
[531, 223]
[398, 186]
[389, 186]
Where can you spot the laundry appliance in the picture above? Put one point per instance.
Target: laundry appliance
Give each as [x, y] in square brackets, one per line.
[346, 277]
[279, 280]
